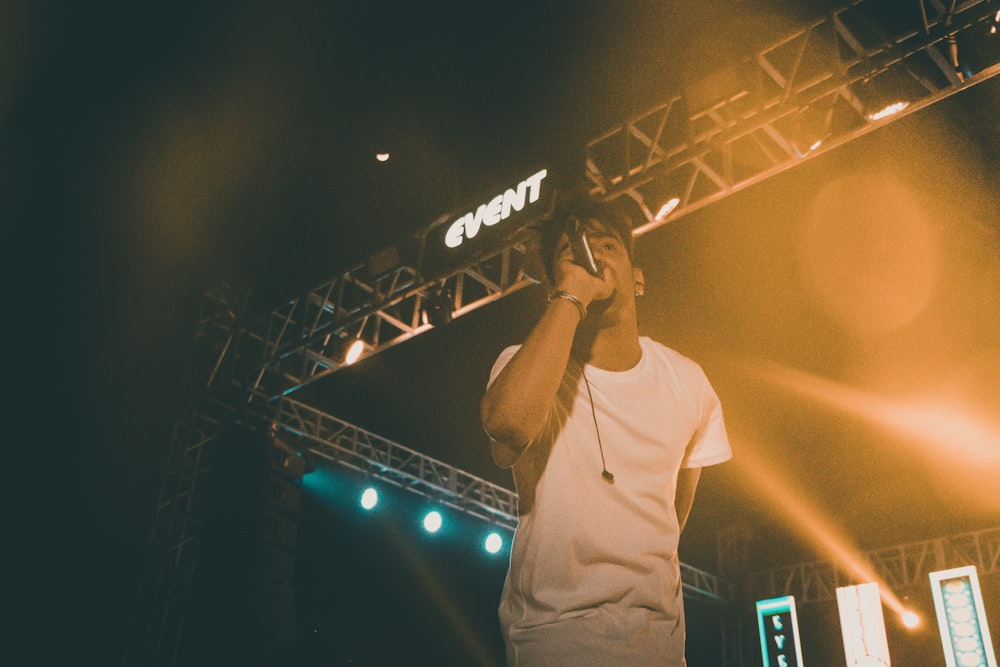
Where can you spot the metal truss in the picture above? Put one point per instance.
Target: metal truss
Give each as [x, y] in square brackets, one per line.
[899, 567]
[395, 464]
[809, 92]
[767, 115]
[158, 620]
[816, 84]
[390, 462]
[698, 584]
[304, 339]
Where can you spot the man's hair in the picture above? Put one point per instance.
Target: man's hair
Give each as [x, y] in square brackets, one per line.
[611, 215]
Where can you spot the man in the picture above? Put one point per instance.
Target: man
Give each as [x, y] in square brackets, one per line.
[606, 432]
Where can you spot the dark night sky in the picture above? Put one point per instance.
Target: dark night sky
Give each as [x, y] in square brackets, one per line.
[148, 153]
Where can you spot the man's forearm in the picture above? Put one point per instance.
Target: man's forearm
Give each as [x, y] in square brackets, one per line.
[517, 403]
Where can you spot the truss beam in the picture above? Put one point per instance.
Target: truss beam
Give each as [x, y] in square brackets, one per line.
[390, 462]
[807, 93]
[304, 339]
[900, 567]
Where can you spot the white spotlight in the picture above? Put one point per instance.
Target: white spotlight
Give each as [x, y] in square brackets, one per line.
[432, 521]
[369, 499]
[888, 110]
[382, 157]
[493, 542]
[665, 210]
[910, 619]
[354, 351]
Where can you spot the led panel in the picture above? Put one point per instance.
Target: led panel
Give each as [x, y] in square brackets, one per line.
[779, 632]
[863, 625]
[961, 616]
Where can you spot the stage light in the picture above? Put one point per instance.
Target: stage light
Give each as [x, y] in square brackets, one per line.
[382, 157]
[910, 620]
[655, 193]
[887, 93]
[890, 109]
[809, 127]
[433, 521]
[354, 351]
[439, 307]
[666, 209]
[493, 543]
[369, 498]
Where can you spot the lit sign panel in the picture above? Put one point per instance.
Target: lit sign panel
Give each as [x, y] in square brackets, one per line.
[961, 615]
[779, 632]
[863, 625]
[495, 210]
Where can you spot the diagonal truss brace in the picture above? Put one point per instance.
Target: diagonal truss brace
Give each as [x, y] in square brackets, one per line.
[899, 567]
[815, 85]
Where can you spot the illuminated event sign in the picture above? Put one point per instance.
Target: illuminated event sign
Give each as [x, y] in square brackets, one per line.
[486, 224]
[495, 210]
[779, 632]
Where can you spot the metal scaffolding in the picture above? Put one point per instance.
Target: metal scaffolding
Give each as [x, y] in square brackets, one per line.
[818, 84]
[811, 91]
[899, 567]
[390, 462]
[304, 339]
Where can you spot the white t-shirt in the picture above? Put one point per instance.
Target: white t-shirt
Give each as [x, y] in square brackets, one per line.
[594, 576]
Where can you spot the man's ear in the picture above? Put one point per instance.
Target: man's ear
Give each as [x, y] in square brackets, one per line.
[639, 281]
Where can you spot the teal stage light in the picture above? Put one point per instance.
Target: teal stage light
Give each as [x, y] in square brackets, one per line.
[493, 543]
[369, 498]
[433, 521]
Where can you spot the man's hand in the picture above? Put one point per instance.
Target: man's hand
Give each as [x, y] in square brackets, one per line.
[573, 278]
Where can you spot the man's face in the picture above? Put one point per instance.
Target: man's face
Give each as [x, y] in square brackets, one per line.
[611, 252]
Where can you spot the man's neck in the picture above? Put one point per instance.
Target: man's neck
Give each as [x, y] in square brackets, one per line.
[611, 349]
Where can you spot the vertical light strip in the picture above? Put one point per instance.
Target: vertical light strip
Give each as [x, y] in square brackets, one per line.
[961, 615]
[863, 625]
[779, 632]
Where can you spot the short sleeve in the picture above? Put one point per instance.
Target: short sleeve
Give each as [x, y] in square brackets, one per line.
[501, 362]
[710, 444]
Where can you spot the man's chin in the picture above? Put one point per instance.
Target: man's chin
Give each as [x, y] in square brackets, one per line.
[603, 304]
[598, 309]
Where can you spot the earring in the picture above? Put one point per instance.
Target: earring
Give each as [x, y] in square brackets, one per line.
[640, 289]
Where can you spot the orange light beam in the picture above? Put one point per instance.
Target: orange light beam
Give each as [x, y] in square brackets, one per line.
[792, 507]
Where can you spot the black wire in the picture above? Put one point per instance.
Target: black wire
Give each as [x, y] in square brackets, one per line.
[605, 473]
